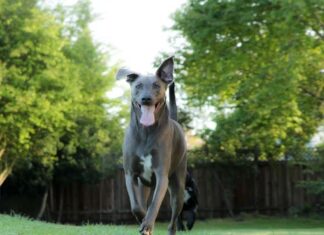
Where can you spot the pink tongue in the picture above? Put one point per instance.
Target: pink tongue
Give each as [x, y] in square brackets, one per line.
[147, 117]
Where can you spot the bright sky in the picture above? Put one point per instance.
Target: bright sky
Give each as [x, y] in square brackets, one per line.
[135, 29]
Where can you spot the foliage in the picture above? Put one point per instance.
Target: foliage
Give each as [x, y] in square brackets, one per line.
[260, 63]
[315, 185]
[53, 80]
[35, 88]
[92, 148]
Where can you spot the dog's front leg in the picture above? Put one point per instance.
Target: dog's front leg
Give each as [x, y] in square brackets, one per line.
[136, 207]
[159, 193]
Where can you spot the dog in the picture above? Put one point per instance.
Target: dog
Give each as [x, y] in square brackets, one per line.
[190, 204]
[154, 149]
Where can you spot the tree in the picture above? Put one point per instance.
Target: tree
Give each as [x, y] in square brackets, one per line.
[36, 87]
[92, 148]
[54, 116]
[53, 84]
[260, 63]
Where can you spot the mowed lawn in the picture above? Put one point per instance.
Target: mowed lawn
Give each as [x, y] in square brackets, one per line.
[261, 225]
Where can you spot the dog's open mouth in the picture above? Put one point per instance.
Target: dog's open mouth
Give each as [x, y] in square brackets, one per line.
[147, 113]
[157, 105]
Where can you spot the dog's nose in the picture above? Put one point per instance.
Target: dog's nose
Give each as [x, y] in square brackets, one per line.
[146, 100]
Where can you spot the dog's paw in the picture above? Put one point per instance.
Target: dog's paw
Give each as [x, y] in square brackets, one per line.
[171, 230]
[146, 229]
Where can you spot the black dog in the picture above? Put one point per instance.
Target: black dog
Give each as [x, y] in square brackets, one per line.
[190, 204]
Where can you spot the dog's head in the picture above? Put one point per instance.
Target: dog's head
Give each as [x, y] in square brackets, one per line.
[148, 90]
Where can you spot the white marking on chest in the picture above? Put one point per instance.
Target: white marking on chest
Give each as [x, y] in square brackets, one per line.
[146, 162]
[186, 196]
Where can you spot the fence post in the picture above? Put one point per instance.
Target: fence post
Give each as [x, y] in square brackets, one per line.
[255, 180]
[224, 194]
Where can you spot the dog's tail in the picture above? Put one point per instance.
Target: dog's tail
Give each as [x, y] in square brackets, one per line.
[172, 102]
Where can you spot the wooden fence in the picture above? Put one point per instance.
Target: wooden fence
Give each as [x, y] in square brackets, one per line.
[270, 188]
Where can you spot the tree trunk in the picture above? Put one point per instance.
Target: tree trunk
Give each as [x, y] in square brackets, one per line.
[43, 205]
[4, 174]
[2, 152]
[7, 168]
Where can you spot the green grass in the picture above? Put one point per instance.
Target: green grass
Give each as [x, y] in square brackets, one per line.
[261, 225]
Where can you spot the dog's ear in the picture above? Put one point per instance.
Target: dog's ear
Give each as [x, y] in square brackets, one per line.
[165, 71]
[128, 74]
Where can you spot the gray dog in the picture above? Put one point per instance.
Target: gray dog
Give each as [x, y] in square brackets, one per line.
[154, 147]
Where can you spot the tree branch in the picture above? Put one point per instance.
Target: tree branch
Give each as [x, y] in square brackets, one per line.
[312, 94]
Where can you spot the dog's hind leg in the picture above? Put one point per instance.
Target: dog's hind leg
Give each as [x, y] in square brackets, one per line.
[180, 225]
[176, 189]
[191, 219]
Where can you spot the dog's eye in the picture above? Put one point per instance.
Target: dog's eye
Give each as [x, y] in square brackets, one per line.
[139, 86]
[156, 86]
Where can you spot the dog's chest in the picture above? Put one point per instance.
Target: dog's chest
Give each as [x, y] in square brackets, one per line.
[146, 163]
[142, 167]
